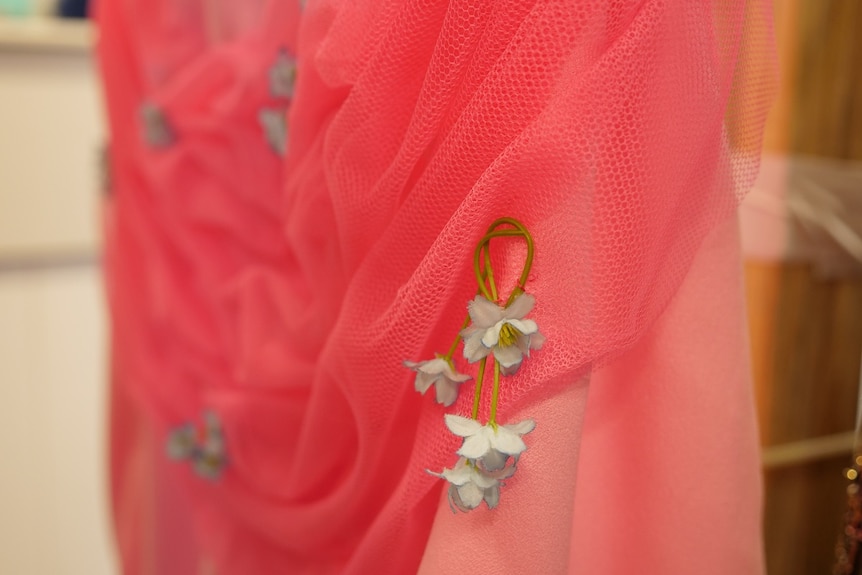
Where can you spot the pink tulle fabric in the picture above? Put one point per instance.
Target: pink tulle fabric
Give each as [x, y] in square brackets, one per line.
[283, 294]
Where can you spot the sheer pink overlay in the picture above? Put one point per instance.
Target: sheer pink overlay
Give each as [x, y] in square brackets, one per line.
[282, 294]
[662, 473]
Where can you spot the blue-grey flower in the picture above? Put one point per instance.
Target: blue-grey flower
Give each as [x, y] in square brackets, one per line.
[274, 124]
[470, 485]
[156, 129]
[282, 75]
[490, 444]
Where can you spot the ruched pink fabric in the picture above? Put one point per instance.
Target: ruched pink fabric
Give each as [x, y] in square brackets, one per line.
[282, 294]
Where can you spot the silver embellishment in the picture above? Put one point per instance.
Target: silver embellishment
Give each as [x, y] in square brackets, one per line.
[282, 75]
[201, 445]
[274, 124]
[157, 131]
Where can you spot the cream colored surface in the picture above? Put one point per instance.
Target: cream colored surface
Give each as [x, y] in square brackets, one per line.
[53, 498]
[45, 34]
[50, 137]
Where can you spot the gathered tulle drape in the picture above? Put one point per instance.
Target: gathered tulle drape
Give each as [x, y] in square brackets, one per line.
[283, 293]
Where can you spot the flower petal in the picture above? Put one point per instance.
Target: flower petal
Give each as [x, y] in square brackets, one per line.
[484, 313]
[494, 460]
[423, 381]
[471, 495]
[473, 348]
[519, 308]
[511, 370]
[447, 391]
[508, 356]
[475, 446]
[522, 427]
[492, 496]
[460, 474]
[181, 442]
[462, 426]
[525, 326]
[506, 472]
[536, 341]
[471, 331]
[455, 500]
[507, 441]
[458, 377]
[483, 480]
[434, 366]
[491, 337]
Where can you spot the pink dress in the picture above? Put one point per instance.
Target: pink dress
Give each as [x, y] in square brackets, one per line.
[297, 194]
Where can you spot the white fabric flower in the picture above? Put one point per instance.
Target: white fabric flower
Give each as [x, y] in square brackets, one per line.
[470, 485]
[440, 373]
[181, 442]
[201, 445]
[492, 445]
[274, 124]
[282, 75]
[157, 131]
[503, 332]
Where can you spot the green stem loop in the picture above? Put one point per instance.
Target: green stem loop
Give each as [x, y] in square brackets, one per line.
[501, 228]
[482, 259]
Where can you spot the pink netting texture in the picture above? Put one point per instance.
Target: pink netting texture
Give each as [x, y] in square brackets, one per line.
[284, 294]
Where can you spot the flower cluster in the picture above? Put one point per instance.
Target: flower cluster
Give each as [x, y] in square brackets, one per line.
[470, 485]
[202, 445]
[503, 334]
[157, 130]
[489, 455]
[282, 75]
[282, 83]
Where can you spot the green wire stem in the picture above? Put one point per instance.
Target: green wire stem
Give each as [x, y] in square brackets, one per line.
[478, 394]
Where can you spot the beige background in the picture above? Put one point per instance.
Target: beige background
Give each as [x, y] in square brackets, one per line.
[53, 509]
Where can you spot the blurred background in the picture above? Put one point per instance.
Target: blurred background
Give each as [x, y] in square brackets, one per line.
[802, 237]
[53, 507]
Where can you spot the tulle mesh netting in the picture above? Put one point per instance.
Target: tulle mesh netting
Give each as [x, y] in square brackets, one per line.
[284, 294]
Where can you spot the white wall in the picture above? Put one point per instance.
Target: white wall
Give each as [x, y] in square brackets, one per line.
[53, 497]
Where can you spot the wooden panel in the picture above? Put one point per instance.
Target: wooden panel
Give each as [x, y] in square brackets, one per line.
[827, 89]
[806, 333]
[806, 343]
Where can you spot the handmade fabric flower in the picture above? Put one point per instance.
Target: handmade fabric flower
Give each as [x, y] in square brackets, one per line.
[274, 124]
[503, 332]
[181, 442]
[470, 485]
[442, 375]
[282, 75]
[157, 132]
[202, 445]
[490, 444]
